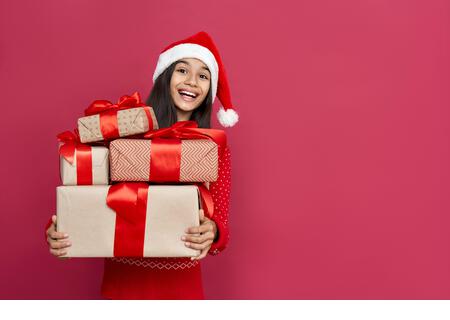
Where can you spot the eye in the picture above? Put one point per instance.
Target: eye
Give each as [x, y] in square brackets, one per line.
[204, 76]
[182, 70]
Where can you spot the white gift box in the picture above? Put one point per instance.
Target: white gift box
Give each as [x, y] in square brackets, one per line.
[100, 168]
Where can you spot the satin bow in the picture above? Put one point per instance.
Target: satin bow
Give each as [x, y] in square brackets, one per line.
[189, 130]
[125, 102]
[70, 141]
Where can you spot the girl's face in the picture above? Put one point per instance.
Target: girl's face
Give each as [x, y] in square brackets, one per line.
[189, 84]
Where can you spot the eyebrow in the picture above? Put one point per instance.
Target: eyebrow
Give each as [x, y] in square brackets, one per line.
[184, 61]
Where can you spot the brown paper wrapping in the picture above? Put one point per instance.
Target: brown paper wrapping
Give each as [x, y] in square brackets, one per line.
[130, 121]
[82, 213]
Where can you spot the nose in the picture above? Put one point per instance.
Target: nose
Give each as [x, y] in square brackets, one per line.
[190, 80]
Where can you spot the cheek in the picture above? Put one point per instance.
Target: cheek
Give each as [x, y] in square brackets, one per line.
[173, 92]
[173, 85]
[176, 79]
[205, 89]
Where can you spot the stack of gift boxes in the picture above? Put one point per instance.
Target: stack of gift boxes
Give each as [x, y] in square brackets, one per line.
[130, 189]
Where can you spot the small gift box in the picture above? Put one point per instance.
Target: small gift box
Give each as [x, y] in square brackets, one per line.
[180, 153]
[107, 121]
[96, 171]
[129, 219]
[82, 164]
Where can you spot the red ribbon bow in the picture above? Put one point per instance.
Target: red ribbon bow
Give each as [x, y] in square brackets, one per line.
[125, 102]
[71, 142]
[189, 130]
[108, 113]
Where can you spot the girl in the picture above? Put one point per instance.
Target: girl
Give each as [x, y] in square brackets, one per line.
[188, 76]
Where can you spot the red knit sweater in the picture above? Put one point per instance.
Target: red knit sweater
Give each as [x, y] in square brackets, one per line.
[169, 278]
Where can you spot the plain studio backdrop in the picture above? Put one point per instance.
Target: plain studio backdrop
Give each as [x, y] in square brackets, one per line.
[340, 162]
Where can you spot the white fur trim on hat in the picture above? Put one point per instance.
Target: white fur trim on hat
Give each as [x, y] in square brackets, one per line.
[189, 50]
[227, 118]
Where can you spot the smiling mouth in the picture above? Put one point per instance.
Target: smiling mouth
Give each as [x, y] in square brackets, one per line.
[187, 95]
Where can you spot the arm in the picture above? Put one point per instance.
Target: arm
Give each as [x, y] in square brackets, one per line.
[220, 191]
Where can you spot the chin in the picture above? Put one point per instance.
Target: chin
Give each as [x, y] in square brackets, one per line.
[186, 106]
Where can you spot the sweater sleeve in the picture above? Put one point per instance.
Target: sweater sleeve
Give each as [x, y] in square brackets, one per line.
[220, 192]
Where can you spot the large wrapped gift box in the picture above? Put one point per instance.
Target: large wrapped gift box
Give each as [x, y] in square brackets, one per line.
[152, 227]
[88, 167]
[116, 123]
[164, 160]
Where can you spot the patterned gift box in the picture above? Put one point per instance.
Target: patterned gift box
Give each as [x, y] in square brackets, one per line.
[129, 122]
[96, 230]
[106, 121]
[164, 160]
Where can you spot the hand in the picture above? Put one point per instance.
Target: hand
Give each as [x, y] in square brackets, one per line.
[57, 241]
[201, 237]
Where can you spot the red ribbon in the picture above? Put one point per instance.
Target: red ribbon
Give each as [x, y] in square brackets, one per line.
[108, 113]
[206, 199]
[166, 148]
[125, 102]
[129, 201]
[165, 161]
[189, 130]
[83, 154]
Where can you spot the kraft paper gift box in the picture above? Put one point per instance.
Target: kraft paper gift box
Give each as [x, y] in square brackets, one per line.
[96, 167]
[83, 213]
[106, 121]
[129, 122]
[159, 160]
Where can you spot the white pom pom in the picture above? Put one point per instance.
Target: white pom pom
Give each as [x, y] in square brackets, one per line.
[227, 118]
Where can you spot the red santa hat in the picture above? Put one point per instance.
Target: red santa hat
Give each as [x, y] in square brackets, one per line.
[202, 47]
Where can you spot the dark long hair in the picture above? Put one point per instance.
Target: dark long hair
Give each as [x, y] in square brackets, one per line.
[162, 103]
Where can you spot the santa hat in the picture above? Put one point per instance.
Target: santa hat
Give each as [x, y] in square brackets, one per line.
[202, 47]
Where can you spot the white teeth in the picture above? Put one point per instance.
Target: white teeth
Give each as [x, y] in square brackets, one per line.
[193, 95]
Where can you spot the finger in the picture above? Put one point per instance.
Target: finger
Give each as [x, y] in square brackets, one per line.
[54, 219]
[50, 229]
[200, 229]
[58, 252]
[198, 246]
[60, 244]
[58, 235]
[199, 239]
[202, 254]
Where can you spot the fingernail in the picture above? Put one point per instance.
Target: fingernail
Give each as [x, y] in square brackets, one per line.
[187, 230]
[68, 243]
[186, 244]
[183, 238]
[66, 235]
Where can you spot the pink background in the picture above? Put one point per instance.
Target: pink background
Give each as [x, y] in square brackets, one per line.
[340, 160]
